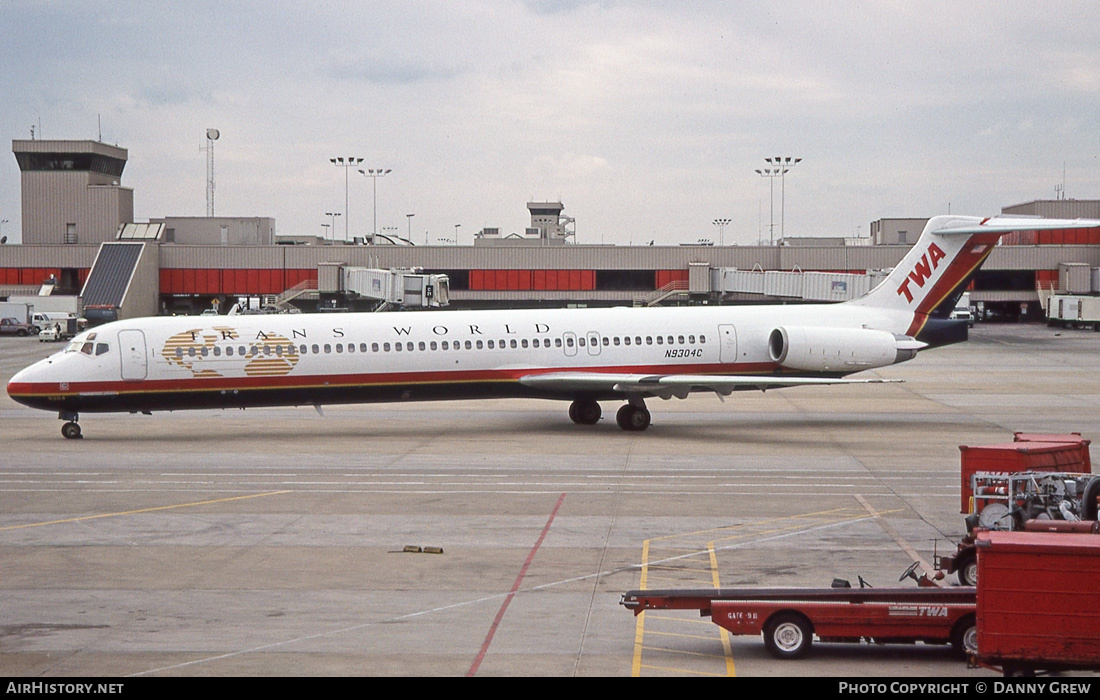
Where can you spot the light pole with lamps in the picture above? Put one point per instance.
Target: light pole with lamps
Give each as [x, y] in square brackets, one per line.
[332, 216]
[409, 217]
[456, 233]
[374, 174]
[784, 164]
[722, 224]
[771, 174]
[347, 164]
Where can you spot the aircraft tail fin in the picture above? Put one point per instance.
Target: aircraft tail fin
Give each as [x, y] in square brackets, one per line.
[936, 271]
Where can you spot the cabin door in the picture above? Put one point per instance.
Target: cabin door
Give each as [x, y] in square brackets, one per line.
[727, 336]
[135, 363]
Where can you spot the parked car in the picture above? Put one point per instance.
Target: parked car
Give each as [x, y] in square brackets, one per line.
[12, 326]
[50, 334]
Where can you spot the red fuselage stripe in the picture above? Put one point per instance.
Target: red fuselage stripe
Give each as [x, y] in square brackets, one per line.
[358, 380]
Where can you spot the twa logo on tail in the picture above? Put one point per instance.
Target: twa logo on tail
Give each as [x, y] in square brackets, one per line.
[922, 270]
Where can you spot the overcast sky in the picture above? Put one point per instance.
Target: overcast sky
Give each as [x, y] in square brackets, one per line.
[646, 119]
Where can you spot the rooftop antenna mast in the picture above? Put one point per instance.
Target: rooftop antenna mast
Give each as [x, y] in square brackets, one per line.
[211, 136]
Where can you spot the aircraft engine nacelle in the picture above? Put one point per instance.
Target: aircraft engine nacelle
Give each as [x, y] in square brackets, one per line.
[814, 349]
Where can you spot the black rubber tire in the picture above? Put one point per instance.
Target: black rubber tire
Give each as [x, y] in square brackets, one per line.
[71, 431]
[1088, 499]
[788, 635]
[968, 572]
[966, 568]
[964, 636]
[632, 418]
[585, 412]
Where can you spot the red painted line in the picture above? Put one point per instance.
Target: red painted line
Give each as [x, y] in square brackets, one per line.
[512, 593]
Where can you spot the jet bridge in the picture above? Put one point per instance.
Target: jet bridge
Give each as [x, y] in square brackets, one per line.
[805, 286]
[408, 288]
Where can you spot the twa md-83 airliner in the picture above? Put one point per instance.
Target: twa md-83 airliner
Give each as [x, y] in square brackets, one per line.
[580, 355]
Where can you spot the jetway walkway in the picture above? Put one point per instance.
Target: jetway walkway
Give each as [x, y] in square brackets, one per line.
[396, 287]
[806, 286]
[771, 284]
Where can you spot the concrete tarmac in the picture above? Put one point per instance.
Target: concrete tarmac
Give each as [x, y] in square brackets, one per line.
[272, 542]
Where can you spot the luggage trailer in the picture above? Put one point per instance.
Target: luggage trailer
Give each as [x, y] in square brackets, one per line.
[789, 618]
[1038, 602]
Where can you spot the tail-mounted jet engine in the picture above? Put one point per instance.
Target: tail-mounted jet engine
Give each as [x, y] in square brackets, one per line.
[814, 349]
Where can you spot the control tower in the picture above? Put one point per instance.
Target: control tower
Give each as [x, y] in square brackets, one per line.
[71, 192]
[546, 218]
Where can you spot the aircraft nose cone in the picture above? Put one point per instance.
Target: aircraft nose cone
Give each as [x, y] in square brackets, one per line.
[26, 385]
[19, 379]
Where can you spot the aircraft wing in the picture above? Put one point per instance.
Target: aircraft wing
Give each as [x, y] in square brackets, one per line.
[667, 386]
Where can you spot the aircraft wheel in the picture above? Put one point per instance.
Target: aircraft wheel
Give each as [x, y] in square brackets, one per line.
[788, 636]
[632, 418]
[71, 431]
[585, 412]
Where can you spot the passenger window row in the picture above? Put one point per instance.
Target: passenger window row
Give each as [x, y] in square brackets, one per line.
[290, 350]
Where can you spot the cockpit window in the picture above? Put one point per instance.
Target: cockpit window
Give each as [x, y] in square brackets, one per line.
[84, 344]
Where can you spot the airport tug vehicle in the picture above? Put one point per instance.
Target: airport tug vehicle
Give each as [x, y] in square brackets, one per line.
[789, 618]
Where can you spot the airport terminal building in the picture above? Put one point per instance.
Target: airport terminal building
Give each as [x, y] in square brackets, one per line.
[78, 232]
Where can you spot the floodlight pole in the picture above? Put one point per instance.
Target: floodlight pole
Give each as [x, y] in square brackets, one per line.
[722, 224]
[332, 218]
[347, 164]
[374, 174]
[771, 174]
[785, 163]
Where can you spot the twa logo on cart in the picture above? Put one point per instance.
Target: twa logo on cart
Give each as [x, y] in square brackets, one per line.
[917, 611]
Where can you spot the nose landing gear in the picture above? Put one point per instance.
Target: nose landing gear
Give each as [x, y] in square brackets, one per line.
[71, 430]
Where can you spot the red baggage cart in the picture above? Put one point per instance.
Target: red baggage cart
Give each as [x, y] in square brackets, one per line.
[1038, 601]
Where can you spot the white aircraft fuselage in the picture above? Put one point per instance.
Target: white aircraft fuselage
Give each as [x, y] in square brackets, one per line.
[580, 355]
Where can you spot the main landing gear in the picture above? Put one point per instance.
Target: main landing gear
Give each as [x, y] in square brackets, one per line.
[70, 430]
[633, 416]
[585, 412]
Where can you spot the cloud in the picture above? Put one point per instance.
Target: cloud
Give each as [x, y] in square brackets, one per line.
[642, 116]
